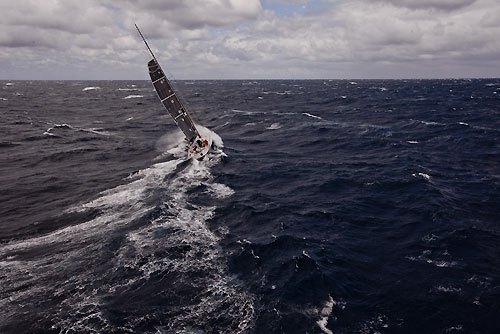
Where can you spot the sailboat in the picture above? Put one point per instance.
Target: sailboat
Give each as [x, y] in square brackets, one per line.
[198, 145]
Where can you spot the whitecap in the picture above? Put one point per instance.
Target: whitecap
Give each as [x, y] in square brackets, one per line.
[274, 126]
[412, 142]
[3, 99]
[97, 131]
[430, 238]
[463, 123]
[90, 88]
[133, 97]
[9, 84]
[430, 123]
[425, 176]
[311, 115]
[447, 289]
[127, 89]
[130, 118]
[325, 313]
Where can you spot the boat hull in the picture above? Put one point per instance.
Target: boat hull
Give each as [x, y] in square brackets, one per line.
[200, 147]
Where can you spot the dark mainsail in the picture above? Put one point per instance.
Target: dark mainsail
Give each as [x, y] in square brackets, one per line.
[171, 101]
[169, 98]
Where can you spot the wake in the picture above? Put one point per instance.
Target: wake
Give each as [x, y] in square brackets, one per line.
[148, 243]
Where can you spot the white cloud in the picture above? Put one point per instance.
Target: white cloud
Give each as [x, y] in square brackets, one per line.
[238, 38]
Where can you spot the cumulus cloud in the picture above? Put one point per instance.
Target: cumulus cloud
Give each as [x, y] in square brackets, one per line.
[194, 14]
[253, 39]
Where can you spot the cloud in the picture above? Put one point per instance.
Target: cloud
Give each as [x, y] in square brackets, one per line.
[194, 14]
[243, 39]
[445, 5]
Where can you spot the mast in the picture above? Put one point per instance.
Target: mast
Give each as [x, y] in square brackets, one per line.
[169, 98]
[147, 45]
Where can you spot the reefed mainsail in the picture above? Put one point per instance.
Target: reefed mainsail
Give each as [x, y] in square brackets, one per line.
[171, 101]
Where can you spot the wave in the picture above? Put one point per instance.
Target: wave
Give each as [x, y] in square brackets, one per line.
[149, 234]
[311, 115]
[325, 314]
[274, 126]
[133, 97]
[91, 88]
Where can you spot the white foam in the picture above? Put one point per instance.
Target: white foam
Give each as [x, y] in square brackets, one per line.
[131, 194]
[430, 238]
[442, 260]
[133, 97]
[430, 123]
[463, 123]
[425, 176]
[119, 210]
[245, 112]
[127, 89]
[325, 313]
[412, 142]
[448, 289]
[220, 190]
[274, 126]
[311, 115]
[91, 88]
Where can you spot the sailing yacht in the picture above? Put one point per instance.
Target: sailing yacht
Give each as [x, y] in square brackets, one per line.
[198, 145]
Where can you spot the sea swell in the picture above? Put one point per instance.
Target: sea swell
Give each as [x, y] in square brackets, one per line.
[146, 263]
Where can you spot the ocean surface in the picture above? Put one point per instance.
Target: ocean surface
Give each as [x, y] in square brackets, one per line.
[330, 206]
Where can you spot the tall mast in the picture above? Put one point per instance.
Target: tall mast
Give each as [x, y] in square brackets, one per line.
[168, 97]
[140, 33]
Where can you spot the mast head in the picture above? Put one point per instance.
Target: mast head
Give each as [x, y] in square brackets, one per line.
[152, 54]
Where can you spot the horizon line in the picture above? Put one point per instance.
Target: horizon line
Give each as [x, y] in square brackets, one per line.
[276, 79]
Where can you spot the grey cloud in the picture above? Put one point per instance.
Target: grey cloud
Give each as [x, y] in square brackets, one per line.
[69, 16]
[350, 38]
[194, 14]
[445, 5]
[31, 38]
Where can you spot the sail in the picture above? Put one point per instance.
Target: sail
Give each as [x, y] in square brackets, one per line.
[171, 101]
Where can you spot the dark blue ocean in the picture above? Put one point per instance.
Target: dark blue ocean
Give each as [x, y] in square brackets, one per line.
[331, 206]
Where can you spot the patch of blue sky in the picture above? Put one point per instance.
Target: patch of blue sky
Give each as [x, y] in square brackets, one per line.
[120, 25]
[110, 6]
[287, 9]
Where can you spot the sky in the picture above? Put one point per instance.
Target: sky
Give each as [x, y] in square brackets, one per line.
[250, 39]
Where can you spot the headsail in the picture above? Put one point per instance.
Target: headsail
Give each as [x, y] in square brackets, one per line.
[169, 98]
